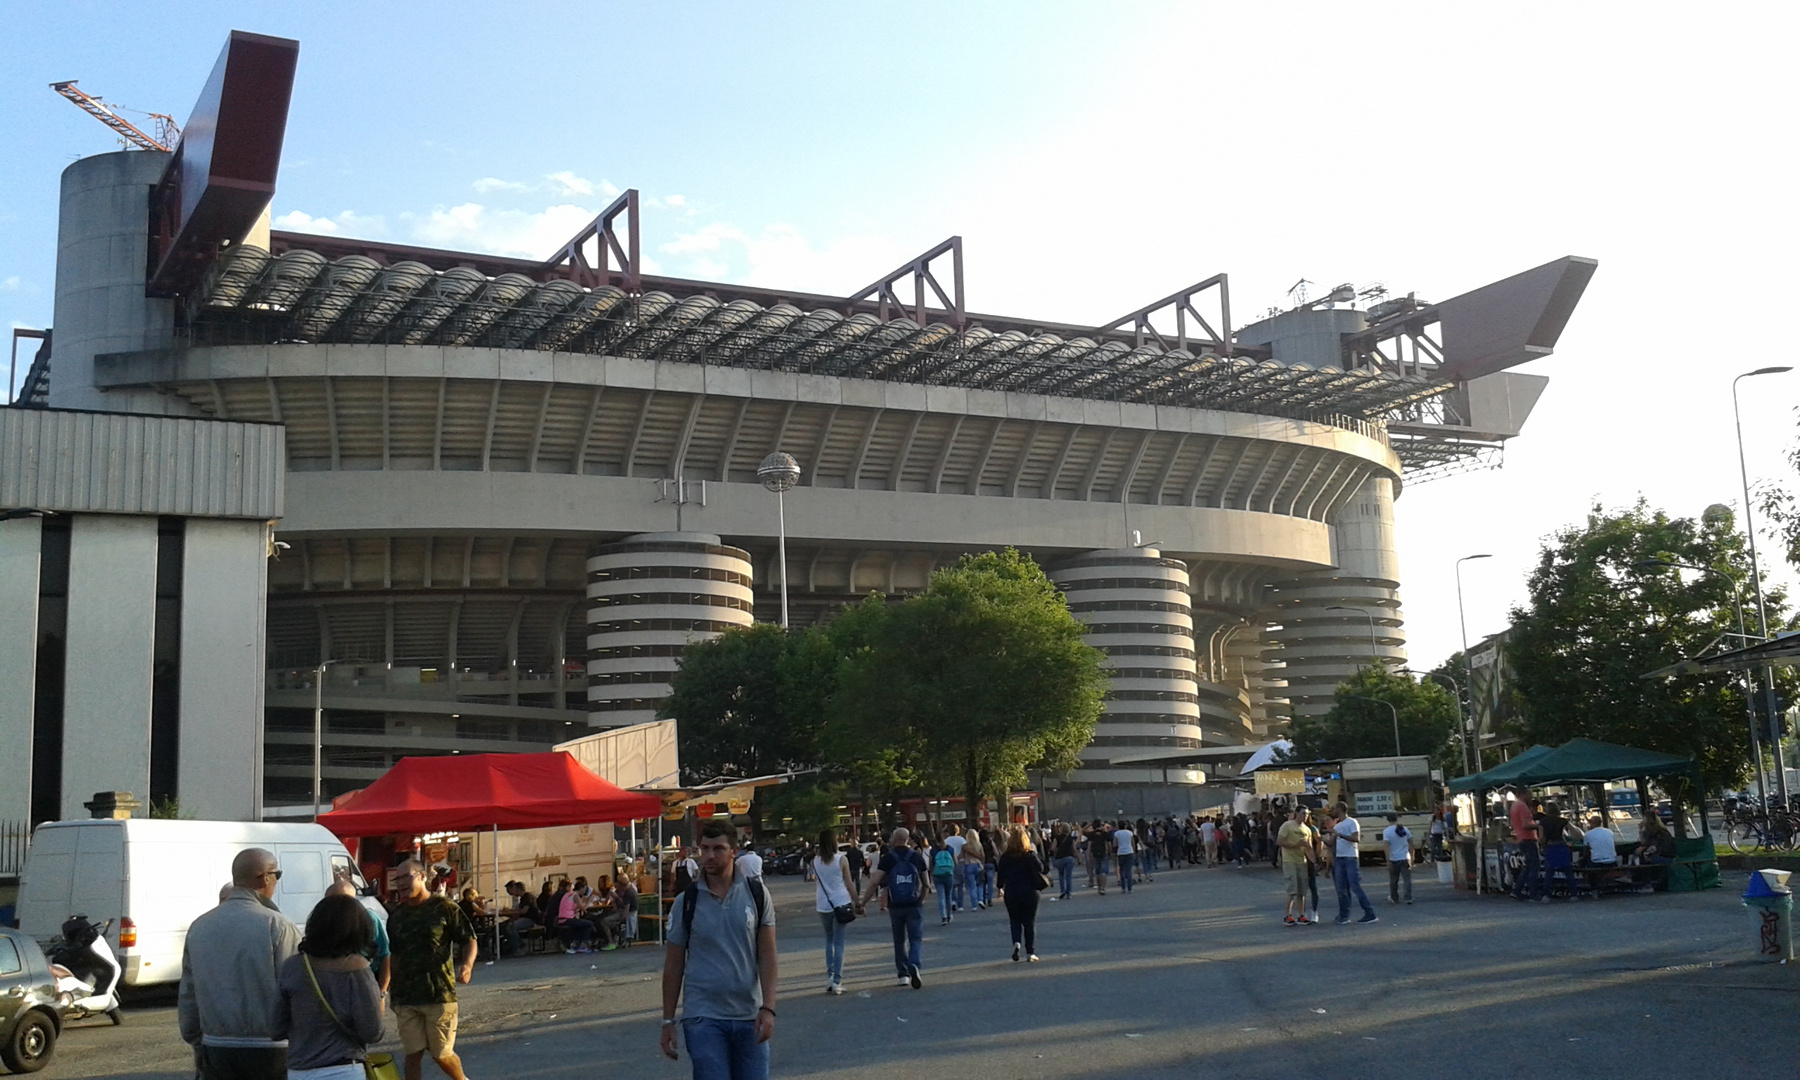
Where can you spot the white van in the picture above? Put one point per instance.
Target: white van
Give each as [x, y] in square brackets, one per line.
[154, 877]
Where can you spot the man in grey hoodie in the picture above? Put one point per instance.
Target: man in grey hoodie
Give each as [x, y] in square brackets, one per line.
[228, 976]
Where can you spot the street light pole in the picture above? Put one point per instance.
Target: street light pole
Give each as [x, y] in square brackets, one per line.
[1762, 617]
[1390, 705]
[1375, 657]
[1462, 621]
[779, 473]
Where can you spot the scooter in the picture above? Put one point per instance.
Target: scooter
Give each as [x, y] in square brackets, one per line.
[87, 974]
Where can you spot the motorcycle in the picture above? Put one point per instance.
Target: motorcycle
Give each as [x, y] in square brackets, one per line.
[86, 971]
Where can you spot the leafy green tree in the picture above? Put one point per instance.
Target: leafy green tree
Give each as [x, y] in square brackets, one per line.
[1361, 724]
[1601, 615]
[733, 717]
[971, 683]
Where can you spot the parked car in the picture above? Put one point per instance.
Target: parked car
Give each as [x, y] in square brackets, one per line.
[29, 1021]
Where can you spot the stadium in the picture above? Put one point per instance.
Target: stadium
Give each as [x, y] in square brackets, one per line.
[506, 494]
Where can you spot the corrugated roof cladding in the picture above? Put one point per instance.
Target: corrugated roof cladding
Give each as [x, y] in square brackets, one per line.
[72, 461]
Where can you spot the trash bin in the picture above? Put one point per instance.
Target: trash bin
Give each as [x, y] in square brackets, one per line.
[1446, 872]
[1771, 905]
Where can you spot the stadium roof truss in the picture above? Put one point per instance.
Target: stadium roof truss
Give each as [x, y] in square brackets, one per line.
[592, 297]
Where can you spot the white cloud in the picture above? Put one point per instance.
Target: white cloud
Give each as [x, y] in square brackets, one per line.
[347, 223]
[10, 284]
[474, 227]
[567, 183]
[780, 256]
[488, 184]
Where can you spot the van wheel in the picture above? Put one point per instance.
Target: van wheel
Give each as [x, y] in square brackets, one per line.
[115, 1016]
[33, 1042]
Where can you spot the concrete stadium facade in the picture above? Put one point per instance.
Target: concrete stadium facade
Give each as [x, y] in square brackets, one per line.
[495, 543]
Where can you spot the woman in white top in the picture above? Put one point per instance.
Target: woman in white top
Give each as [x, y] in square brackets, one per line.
[832, 873]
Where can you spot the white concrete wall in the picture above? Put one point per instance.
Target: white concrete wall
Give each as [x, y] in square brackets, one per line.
[102, 231]
[20, 542]
[106, 679]
[224, 581]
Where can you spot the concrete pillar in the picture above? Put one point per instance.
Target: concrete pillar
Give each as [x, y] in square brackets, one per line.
[102, 234]
[20, 542]
[224, 582]
[650, 596]
[106, 679]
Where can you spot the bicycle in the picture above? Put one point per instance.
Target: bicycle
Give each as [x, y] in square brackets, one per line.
[1748, 830]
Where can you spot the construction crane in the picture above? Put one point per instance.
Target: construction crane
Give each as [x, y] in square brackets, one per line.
[166, 131]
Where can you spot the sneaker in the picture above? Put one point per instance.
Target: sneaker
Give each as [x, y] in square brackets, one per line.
[1369, 917]
[1409, 903]
[916, 981]
[569, 951]
[1015, 952]
[902, 981]
[1302, 921]
[834, 988]
[1343, 920]
[608, 948]
[1032, 958]
[1289, 920]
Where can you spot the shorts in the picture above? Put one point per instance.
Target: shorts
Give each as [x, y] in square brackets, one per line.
[1293, 874]
[427, 1028]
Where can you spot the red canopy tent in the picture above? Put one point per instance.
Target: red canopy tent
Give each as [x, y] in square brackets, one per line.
[487, 791]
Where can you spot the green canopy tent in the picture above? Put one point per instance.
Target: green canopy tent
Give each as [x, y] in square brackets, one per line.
[1507, 772]
[1590, 761]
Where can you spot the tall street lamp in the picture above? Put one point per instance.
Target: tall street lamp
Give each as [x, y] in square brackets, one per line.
[1462, 621]
[1375, 658]
[779, 473]
[1762, 617]
[1737, 604]
[1390, 705]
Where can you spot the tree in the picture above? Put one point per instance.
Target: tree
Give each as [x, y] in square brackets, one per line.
[974, 681]
[1360, 724]
[734, 719]
[1601, 615]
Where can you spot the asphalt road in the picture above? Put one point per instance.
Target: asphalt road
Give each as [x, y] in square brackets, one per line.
[1191, 975]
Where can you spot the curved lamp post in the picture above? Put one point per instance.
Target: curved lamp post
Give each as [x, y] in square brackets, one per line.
[1390, 705]
[1762, 617]
[1375, 657]
[779, 473]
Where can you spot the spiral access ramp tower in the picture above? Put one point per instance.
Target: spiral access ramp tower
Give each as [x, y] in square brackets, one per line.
[650, 597]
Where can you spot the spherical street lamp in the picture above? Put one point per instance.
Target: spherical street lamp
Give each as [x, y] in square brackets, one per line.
[779, 473]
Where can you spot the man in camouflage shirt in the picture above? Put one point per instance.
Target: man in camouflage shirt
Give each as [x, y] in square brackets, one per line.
[433, 948]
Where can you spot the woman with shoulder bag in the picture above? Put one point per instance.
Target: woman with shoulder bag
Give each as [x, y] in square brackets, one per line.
[1021, 876]
[835, 905]
[328, 1007]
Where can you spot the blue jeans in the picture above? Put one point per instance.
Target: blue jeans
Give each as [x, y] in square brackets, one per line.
[909, 931]
[946, 888]
[834, 945]
[1531, 878]
[974, 877]
[725, 1049]
[1347, 876]
[1065, 875]
[1126, 865]
[1150, 859]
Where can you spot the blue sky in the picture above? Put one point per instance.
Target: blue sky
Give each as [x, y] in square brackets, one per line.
[1093, 157]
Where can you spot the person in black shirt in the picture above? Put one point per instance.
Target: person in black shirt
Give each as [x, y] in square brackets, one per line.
[1554, 830]
[1020, 876]
[520, 917]
[1062, 852]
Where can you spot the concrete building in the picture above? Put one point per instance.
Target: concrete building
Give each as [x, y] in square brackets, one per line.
[515, 490]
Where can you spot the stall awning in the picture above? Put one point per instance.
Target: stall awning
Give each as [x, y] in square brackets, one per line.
[480, 791]
[1578, 761]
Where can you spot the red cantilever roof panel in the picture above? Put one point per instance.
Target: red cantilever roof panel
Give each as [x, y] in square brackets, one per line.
[480, 791]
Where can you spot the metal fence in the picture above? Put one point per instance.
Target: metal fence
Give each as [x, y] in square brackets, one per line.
[15, 840]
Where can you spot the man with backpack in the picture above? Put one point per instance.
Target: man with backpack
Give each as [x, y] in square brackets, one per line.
[902, 874]
[720, 965]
